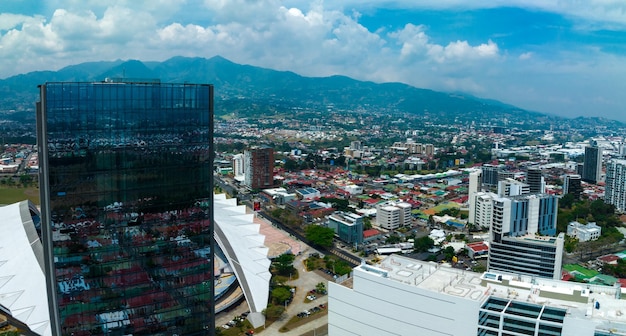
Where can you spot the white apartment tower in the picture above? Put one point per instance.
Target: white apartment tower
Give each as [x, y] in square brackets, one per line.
[239, 167]
[615, 190]
[474, 187]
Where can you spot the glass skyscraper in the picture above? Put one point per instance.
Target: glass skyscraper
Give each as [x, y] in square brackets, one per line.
[126, 185]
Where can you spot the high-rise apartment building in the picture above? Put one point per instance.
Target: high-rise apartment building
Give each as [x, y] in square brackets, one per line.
[515, 245]
[481, 209]
[259, 167]
[534, 179]
[489, 175]
[512, 187]
[615, 190]
[592, 167]
[238, 167]
[572, 185]
[126, 196]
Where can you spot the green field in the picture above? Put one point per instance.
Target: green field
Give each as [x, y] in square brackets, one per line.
[583, 272]
[10, 195]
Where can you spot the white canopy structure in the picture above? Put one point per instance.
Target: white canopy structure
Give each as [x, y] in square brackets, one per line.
[239, 238]
[23, 295]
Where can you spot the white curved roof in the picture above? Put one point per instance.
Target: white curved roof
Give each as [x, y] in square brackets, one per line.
[239, 238]
[23, 292]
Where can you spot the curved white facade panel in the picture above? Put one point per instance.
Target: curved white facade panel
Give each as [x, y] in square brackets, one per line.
[239, 238]
[23, 292]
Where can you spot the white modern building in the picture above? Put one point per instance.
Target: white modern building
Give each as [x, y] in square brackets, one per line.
[393, 215]
[522, 236]
[239, 167]
[242, 243]
[584, 232]
[615, 190]
[353, 189]
[512, 187]
[481, 209]
[22, 280]
[403, 296]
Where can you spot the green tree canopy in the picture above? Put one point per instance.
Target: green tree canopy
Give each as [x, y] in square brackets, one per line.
[337, 203]
[280, 295]
[320, 235]
[273, 312]
[423, 244]
[284, 264]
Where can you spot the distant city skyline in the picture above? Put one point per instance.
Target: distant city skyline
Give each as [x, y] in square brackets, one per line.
[561, 57]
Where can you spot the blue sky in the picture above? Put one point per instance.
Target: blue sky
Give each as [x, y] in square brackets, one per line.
[565, 57]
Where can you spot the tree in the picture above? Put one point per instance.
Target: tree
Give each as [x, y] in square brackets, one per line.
[284, 264]
[448, 252]
[337, 203]
[423, 244]
[320, 287]
[291, 165]
[273, 312]
[26, 180]
[367, 223]
[320, 235]
[280, 295]
[393, 239]
[567, 201]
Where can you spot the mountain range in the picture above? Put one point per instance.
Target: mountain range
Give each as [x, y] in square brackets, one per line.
[246, 90]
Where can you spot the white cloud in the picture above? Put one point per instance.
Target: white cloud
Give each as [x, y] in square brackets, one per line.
[415, 43]
[525, 56]
[317, 39]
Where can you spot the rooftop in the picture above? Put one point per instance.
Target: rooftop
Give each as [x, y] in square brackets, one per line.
[576, 299]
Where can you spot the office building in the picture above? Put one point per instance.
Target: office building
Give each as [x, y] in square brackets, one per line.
[534, 179]
[126, 195]
[404, 296]
[615, 190]
[356, 145]
[347, 226]
[592, 167]
[259, 167]
[514, 243]
[572, 185]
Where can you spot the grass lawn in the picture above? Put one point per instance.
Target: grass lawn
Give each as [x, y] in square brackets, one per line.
[296, 321]
[10, 195]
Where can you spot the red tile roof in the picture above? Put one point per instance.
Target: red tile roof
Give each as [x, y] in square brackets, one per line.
[478, 246]
[370, 233]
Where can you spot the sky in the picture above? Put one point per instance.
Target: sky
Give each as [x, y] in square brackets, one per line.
[563, 57]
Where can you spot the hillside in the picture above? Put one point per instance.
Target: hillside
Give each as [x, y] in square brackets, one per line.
[248, 90]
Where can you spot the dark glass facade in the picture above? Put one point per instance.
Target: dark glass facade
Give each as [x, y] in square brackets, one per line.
[126, 184]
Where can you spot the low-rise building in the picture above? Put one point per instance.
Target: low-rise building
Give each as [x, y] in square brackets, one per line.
[584, 232]
[477, 250]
